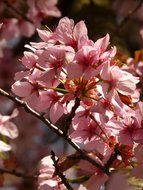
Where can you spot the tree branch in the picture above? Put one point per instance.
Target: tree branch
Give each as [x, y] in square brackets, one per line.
[17, 11]
[55, 129]
[17, 174]
[59, 173]
[127, 18]
[131, 13]
[68, 120]
[112, 158]
[67, 162]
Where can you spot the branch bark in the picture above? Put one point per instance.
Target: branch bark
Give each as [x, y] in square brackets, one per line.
[55, 129]
[18, 174]
[59, 173]
[127, 18]
[17, 11]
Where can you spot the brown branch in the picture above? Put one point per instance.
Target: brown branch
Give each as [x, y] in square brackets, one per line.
[68, 120]
[17, 11]
[112, 158]
[59, 173]
[127, 18]
[18, 174]
[54, 128]
[69, 161]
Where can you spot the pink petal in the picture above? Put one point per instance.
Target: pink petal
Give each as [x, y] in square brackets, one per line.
[29, 59]
[56, 111]
[26, 28]
[14, 113]
[46, 165]
[80, 30]
[96, 181]
[45, 35]
[48, 185]
[32, 100]
[105, 72]
[49, 8]
[64, 30]
[108, 54]
[20, 75]
[102, 43]
[126, 87]
[74, 70]
[114, 126]
[125, 138]
[103, 88]
[9, 129]
[44, 102]
[22, 89]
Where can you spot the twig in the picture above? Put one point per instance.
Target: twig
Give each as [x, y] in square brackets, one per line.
[74, 108]
[126, 19]
[54, 128]
[59, 173]
[112, 158]
[17, 174]
[17, 11]
[69, 161]
[68, 120]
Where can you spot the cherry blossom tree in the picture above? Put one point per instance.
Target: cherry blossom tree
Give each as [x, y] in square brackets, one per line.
[86, 91]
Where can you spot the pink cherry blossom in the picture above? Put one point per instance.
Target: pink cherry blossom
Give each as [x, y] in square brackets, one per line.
[26, 25]
[116, 79]
[89, 57]
[128, 130]
[31, 93]
[26, 28]
[46, 179]
[29, 59]
[87, 130]
[97, 178]
[52, 60]
[96, 181]
[48, 8]
[8, 129]
[9, 29]
[67, 66]
[69, 34]
[47, 36]
[42, 8]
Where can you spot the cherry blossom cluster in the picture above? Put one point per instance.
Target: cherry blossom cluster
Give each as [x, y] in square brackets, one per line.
[67, 72]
